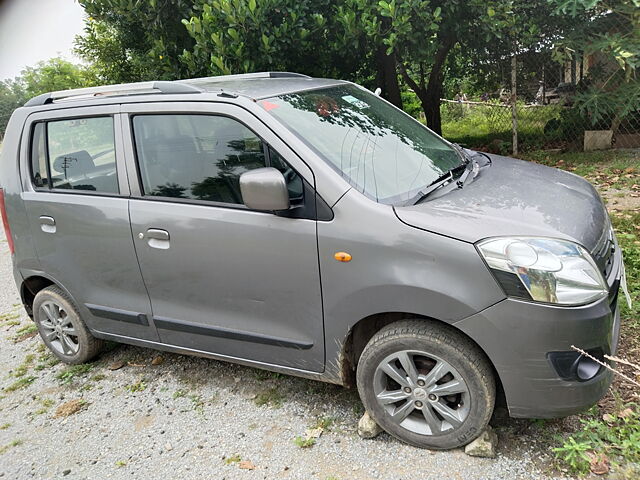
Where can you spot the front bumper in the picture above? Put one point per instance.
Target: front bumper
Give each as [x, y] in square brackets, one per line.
[518, 335]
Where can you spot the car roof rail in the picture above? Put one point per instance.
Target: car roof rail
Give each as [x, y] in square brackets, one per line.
[114, 90]
[243, 76]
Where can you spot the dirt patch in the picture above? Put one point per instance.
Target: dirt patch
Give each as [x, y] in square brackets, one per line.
[69, 408]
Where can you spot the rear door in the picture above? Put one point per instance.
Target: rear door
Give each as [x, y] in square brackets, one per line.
[222, 278]
[76, 194]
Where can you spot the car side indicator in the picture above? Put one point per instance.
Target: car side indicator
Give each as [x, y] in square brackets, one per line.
[342, 256]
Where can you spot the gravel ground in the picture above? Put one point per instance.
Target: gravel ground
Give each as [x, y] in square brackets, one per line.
[188, 417]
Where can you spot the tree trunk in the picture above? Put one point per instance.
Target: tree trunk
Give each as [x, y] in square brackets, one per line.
[387, 76]
[431, 103]
[430, 95]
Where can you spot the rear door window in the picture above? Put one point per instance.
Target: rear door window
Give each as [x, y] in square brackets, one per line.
[80, 155]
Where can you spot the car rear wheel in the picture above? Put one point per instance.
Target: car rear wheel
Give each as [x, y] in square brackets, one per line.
[61, 327]
[426, 384]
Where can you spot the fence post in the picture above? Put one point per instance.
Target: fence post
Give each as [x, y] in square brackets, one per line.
[514, 108]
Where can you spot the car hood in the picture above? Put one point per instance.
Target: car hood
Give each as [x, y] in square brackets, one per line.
[514, 197]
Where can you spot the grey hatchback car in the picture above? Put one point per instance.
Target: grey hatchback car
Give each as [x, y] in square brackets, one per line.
[309, 227]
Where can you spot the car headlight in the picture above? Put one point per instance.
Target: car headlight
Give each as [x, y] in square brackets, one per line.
[544, 269]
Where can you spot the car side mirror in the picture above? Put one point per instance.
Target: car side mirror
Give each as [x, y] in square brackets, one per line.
[264, 189]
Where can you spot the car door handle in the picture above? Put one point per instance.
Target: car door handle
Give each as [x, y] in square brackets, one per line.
[158, 238]
[47, 224]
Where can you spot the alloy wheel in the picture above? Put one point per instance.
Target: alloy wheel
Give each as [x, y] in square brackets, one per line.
[58, 329]
[421, 392]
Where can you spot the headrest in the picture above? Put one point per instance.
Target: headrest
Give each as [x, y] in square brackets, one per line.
[76, 163]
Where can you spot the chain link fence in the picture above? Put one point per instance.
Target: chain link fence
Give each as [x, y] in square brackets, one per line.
[542, 112]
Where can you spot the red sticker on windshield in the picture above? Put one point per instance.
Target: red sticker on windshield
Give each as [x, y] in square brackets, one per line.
[267, 105]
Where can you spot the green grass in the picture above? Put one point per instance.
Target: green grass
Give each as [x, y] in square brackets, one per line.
[73, 372]
[262, 375]
[25, 331]
[233, 459]
[46, 404]
[479, 125]
[627, 227]
[139, 386]
[10, 445]
[46, 360]
[614, 437]
[9, 316]
[22, 369]
[618, 169]
[303, 442]
[325, 423]
[179, 393]
[271, 397]
[23, 382]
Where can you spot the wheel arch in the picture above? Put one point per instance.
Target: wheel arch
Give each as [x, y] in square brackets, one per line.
[33, 284]
[363, 330]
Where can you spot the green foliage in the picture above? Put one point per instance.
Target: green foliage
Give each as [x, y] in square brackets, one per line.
[231, 36]
[12, 96]
[48, 76]
[626, 226]
[482, 125]
[608, 32]
[22, 369]
[56, 74]
[21, 383]
[303, 442]
[70, 373]
[235, 458]
[271, 397]
[138, 386]
[8, 446]
[133, 41]
[324, 423]
[615, 436]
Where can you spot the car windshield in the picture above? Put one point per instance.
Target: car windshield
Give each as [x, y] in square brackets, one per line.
[378, 149]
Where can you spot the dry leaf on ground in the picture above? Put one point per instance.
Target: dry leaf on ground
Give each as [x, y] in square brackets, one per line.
[246, 465]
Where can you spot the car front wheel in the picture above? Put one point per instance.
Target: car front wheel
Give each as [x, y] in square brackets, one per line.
[426, 384]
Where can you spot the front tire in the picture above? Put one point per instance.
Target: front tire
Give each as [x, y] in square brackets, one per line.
[61, 328]
[426, 384]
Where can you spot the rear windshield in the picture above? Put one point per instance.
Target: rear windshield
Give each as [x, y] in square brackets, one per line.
[378, 149]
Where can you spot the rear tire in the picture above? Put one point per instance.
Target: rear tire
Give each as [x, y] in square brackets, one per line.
[61, 328]
[426, 384]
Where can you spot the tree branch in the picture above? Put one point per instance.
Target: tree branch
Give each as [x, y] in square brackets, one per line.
[419, 89]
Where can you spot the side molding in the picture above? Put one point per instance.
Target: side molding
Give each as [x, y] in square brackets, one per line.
[119, 315]
[198, 329]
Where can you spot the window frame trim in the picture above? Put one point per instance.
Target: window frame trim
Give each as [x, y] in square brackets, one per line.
[46, 116]
[140, 194]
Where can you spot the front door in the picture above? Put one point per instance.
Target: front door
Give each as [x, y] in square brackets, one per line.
[222, 278]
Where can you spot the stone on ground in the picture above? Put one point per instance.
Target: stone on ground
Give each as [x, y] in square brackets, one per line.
[367, 427]
[483, 446]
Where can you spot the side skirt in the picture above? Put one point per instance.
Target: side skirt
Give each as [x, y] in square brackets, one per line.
[224, 358]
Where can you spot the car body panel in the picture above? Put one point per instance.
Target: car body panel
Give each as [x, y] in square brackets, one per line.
[246, 277]
[91, 251]
[403, 270]
[514, 197]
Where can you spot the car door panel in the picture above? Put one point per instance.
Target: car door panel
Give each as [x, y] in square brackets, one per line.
[83, 242]
[228, 280]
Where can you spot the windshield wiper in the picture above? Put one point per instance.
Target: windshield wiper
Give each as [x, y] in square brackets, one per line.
[442, 180]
